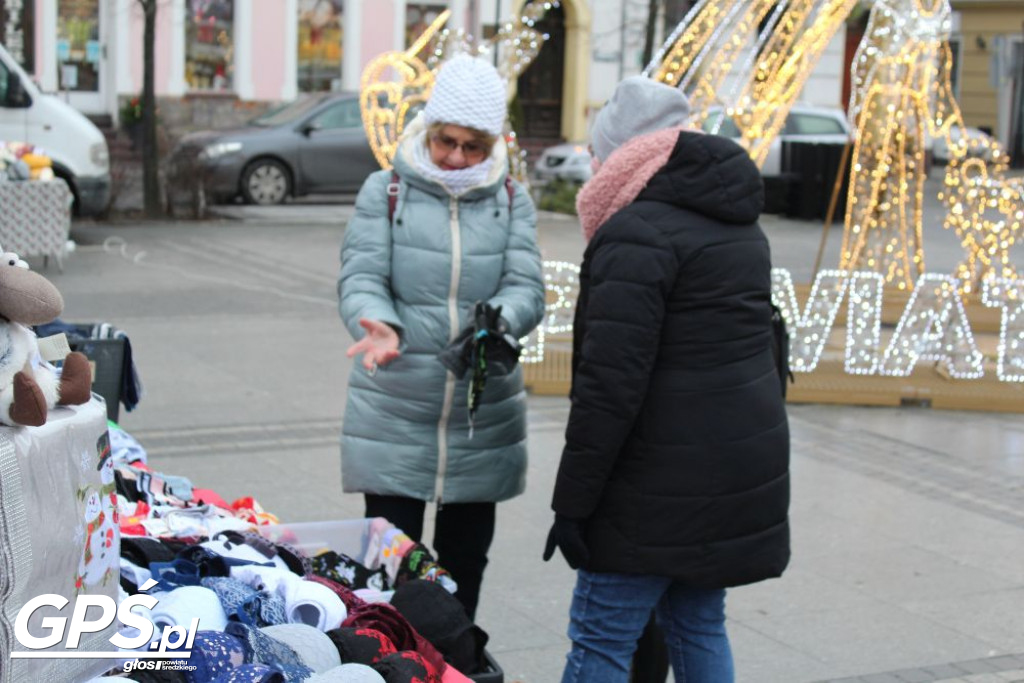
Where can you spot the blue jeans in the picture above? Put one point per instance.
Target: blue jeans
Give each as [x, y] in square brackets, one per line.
[609, 612]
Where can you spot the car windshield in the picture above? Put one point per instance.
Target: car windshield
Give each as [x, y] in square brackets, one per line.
[725, 125]
[288, 112]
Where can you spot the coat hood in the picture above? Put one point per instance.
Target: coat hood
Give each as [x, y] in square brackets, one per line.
[710, 175]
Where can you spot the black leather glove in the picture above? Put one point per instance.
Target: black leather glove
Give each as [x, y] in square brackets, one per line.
[567, 534]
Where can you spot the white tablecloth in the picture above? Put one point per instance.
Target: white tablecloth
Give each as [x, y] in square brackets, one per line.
[56, 509]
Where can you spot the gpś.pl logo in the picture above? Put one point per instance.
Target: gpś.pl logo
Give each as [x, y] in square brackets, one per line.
[171, 637]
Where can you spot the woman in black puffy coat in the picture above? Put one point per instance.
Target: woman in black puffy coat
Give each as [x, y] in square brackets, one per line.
[674, 481]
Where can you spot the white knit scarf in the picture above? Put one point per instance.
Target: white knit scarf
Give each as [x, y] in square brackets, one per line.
[457, 182]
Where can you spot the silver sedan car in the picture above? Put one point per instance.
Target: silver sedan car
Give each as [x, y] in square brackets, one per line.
[315, 144]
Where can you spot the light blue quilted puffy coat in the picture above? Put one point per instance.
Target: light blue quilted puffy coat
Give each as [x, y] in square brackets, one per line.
[406, 428]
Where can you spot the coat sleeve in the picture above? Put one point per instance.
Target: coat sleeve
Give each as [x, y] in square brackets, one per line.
[521, 289]
[364, 286]
[632, 270]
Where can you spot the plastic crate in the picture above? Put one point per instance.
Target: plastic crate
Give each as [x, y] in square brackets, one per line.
[351, 537]
[107, 359]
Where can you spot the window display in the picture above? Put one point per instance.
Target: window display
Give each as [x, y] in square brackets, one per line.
[418, 17]
[78, 44]
[320, 44]
[209, 44]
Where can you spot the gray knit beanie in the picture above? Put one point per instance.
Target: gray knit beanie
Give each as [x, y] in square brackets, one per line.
[468, 92]
[639, 105]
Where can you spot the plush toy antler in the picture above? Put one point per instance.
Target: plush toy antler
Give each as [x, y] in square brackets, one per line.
[29, 386]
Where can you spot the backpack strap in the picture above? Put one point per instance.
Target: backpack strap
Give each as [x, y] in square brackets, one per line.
[511, 189]
[392, 190]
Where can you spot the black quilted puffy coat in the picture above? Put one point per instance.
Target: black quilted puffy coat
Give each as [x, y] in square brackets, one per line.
[677, 447]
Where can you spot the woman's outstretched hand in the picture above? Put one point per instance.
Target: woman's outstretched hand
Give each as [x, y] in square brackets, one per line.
[379, 346]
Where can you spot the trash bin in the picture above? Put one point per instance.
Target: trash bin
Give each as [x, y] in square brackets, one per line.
[107, 359]
[493, 673]
[114, 376]
[812, 168]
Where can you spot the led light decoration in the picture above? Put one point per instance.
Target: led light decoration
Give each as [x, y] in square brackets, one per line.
[391, 85]
[1009, 296]
[808, 331]
[934, 327]
[864, 323]
[901, 94]
[396, 82]
[750, 58]
[985, 209]
[561, 287]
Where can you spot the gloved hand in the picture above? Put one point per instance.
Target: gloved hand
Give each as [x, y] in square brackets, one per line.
[567, 534]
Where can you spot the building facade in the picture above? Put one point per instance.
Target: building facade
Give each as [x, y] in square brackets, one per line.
[989, 46]
[91, 51]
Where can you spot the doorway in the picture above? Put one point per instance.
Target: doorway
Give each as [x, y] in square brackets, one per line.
[540, 86]
[81, 54]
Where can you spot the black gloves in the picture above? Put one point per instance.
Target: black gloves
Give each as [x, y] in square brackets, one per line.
[567, 534]
[488, 334]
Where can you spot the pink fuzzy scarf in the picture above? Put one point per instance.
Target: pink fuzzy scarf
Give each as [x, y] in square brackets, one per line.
[622, 177]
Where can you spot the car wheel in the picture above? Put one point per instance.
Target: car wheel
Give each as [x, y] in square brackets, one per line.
[266, 181]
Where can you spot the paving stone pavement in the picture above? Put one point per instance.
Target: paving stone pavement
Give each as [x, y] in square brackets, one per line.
[908, 532]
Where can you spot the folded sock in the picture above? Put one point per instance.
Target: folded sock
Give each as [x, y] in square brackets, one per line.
[179, 606]
[313, 646]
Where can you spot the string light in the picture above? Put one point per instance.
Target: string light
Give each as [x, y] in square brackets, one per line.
[391, 85]
[864, 323]
[899, 97]
[561, 288]
[985, 209]
[1009, 296]
[749, 59]
[902, 93]
[808, 331]
[934, 327]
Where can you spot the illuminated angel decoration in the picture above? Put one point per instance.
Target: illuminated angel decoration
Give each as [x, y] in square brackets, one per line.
[901, 95]
[748, 58]
[397, 84]
[394, 85]
[986, 210]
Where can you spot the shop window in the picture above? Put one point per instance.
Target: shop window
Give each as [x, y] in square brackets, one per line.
[17, 31]
[209, 44]
[417, 18]
[78, 44]
[321, 36]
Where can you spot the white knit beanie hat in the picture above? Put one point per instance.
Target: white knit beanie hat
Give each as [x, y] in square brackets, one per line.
[639, 105]
[468, 92]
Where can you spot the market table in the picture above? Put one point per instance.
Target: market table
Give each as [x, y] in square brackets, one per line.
[35, 218]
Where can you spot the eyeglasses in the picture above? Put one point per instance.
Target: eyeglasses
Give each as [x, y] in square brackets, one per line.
[471, 149]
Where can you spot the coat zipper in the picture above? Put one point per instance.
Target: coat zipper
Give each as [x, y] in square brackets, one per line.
[453, 331]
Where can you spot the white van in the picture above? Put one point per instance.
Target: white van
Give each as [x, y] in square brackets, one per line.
[76, 146]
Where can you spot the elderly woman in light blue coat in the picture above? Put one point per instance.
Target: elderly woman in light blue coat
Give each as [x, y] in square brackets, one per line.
[417, 256]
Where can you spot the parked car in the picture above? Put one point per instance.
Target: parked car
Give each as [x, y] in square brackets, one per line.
[74, 144]
[569, 161]
[980, 144]
[804, 123]
[315, 144]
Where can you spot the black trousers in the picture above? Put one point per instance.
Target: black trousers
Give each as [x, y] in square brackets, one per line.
[650, 661]
[462, 536]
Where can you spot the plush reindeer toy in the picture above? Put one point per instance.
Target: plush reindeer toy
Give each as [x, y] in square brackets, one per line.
[29, 386]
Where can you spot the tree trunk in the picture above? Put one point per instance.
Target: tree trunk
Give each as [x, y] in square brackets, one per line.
[150, 155]
[652, 22]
